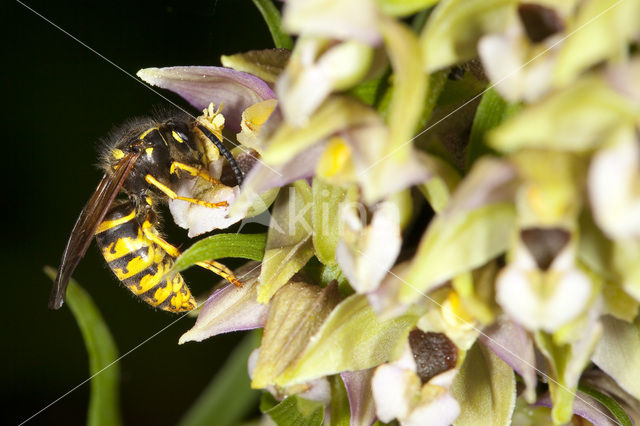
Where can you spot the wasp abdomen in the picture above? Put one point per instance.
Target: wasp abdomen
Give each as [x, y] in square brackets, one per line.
[139, 262]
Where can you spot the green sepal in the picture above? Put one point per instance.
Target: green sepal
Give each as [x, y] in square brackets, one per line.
[458, 243]
[327, 201]
[455, 26]
[289, 243]
[618, 351]
[574, 119]
[409, 86]
[349, 340]
[485, 387]
[265, 64]
[403, 7]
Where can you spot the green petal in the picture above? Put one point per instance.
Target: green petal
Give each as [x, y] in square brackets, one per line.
[104, 402]
[289, 243]
[336, 113]
[228, 398]
[595, 250]
[618, 352]
[566, 361]
[601, 31]
[294, 411]
[625, 260]
[485, 387]
[409, 86]
[444, 181]
[327, 202]
[272, 17]
[352, 338]
[575, 119]
[265, 64]
[403, 7]
[296, 313]
[454, 244]
[452, 32]
[245, 246]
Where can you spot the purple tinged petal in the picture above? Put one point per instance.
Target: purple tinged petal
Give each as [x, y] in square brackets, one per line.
[301, 166]
[514, 346]
[358, 386]
[491, 181]
[586, 407]
[201, 85]
[263, 177]
[230, 308]
[623, 78]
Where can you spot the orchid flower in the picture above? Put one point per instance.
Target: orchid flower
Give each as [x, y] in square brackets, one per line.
[407, 278]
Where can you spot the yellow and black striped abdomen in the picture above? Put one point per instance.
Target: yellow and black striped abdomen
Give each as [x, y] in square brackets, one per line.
[139, 262]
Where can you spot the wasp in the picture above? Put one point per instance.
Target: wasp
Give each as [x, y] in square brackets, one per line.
[143, 162]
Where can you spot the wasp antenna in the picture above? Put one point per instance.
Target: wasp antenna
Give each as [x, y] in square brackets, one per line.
[224, 151]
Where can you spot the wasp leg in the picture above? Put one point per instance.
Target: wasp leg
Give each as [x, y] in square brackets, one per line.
[193, 171]
[171, 194]
[221, 270]
[213, 266]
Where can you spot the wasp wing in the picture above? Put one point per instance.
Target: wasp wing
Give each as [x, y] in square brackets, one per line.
[86, 225]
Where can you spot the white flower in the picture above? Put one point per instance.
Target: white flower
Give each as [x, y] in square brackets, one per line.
[543, 299]
[613, 186]
[399, 394]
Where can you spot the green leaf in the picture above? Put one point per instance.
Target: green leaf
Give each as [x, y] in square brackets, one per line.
[340, 412]
[403, 7]
[296, 411]
[351, 338]
[327, 202]
[485, 387]
[600, 31]
[228, 397]
[245, 246]
[574, 119]
[104, 402]
[458, 243]
[367, 91]
[618, 351]
[611, 404]
[289, 243]
[452, 32]
[491, 111]
[272, 18]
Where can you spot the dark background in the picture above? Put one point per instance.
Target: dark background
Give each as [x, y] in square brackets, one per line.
[59, 99]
